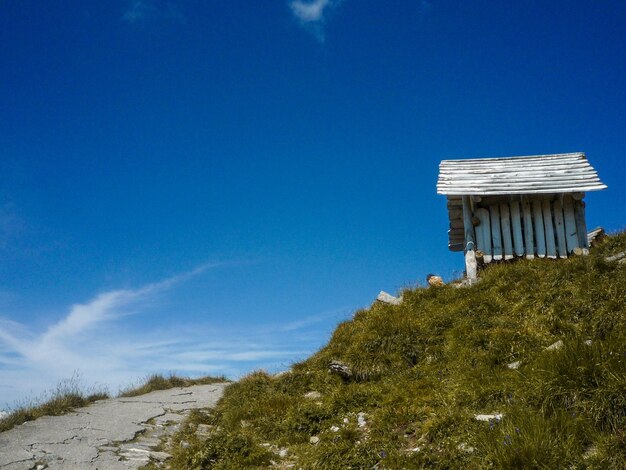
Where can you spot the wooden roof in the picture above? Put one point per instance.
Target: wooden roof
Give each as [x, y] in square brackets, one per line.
[536, 174]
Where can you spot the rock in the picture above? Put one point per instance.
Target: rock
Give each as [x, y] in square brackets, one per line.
[282, 453]
[555, 346]
[281, 373]
[204, 429]
[616, 257]
[341, 369]
[514, 365]
[346, 420]
[184, 444]
[587, 342]
[414, 449]
[434, 280]
[491, 417]
[313, 395]
[314, 440]
[360, 419]
[386, 298]
[463, 447]
[42, 466]
[334, 428]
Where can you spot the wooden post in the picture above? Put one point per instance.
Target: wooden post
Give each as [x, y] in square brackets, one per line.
[581, 225]
[470, 241]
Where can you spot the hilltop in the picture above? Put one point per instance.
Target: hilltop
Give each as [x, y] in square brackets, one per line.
[526, 369]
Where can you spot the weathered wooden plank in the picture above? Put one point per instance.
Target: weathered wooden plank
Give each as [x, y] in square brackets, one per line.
[540, 235]
[570, 223]
[581, 225]
[505, 225]
[559, 228]
[471, 267]
[516, 226]
[549, 228]
[485, 230]
[528, 229]
[496, 237]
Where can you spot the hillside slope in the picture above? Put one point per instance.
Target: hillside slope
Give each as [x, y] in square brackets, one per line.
[422, 371]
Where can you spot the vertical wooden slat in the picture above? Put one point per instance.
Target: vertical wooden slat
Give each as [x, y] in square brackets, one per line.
[528, 229]
[571, 234]
[485, 230]
[516, 225]
[505, 224]
[559, 226]
[471, 268]
[540, 236]
[549, 228]
[581, 226]
[496, 238]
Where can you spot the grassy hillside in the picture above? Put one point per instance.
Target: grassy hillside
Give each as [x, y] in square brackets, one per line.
[423, 370]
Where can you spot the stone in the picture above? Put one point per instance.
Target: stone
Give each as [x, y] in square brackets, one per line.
[514, 365]
[314, 440]
[334, 428]
[313, 395]
[386, 298]
[360, 419]
[555, 346]
[282, 453]
[204, 429]
[489, 417]
[616, 257]
[341, 369]
[463, 447]
[434, 280]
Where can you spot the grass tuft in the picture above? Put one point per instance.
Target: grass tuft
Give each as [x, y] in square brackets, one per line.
[160, 382]
[68, 395]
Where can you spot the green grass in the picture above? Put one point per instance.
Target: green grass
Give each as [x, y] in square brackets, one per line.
[68, 395]
[159, 382]
[424, 369]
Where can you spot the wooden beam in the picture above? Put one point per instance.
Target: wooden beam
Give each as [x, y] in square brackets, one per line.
[496, 237]
[516, 224]
[471, 267]
[559, 226]
[485, 229]
[571, 234]
[540, 236]
[528, 229]
[549, 228]
[581, 225]
[505, 224]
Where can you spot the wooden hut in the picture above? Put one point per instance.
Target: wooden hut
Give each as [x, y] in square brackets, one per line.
[502, 208]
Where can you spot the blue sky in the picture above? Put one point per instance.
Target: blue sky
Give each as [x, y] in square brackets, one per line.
[210, 186]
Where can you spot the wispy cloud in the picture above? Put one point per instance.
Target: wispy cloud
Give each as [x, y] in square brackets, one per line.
[101, 339]
[312, 14]
[139, 11]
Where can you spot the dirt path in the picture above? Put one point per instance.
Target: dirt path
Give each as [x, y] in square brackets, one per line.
[118, 433]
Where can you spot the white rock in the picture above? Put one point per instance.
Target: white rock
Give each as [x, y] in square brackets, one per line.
[588, 342]
[283, 452]
[386, 298]
[334, 428]
[360, 421]
[346, 420]
[414, 449]
[555, 346]
[463, 447]
[314, 440]
[514, 365]
[314, 395]
[491, 417]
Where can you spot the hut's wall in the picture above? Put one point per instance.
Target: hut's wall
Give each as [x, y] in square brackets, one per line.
[528, 226]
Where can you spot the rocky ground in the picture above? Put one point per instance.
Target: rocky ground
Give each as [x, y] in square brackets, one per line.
[118, 433]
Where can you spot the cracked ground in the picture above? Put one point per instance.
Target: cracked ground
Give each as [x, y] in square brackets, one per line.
[118, 433]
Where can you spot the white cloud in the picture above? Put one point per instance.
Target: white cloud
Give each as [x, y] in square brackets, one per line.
[102, 341]
[139, 11]
[312, 14]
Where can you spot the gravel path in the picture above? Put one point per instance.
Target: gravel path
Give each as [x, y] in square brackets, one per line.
[118, 433]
